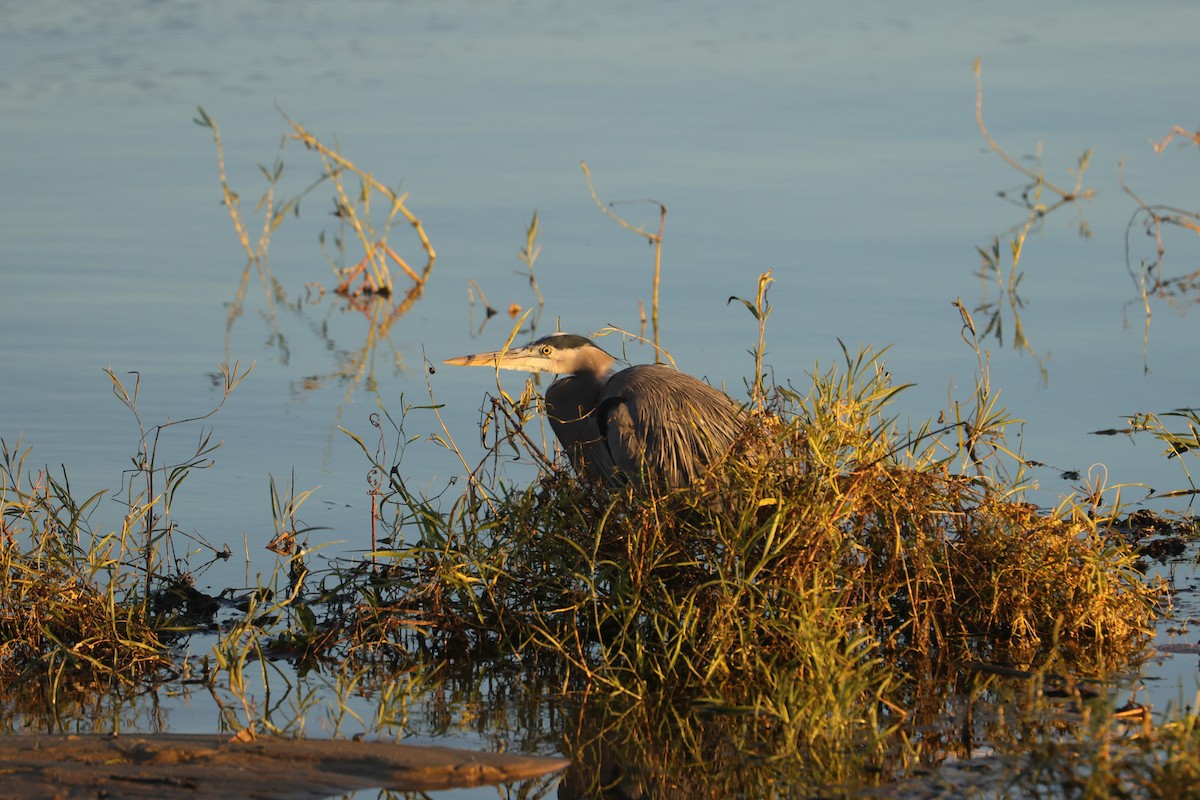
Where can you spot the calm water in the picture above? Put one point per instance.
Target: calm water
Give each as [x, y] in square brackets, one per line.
[836, 147]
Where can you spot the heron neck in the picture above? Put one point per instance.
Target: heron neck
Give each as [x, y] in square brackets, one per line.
[597, 365]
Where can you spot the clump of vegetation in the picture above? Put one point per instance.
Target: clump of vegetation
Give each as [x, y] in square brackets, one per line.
[812, 613]
[80, 610]
[814, 589]
[65, 618]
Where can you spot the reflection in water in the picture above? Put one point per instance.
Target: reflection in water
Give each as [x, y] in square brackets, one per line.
[1148, 277]
[365, 286]
[87, 708]
[993, 271]
[354, 211]
[1004, 271]
[528, 256]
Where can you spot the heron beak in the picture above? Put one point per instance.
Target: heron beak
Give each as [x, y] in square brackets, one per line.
[476, 360]
[521, 359]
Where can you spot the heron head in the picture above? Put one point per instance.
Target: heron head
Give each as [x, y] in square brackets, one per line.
[561, 353]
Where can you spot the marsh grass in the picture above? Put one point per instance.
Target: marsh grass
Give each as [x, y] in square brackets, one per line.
[84, 610]
[842, 601]
[65, 615]
[811, 615]
[819, 597]
[70, 621]
[353, 206]
[1179, 432]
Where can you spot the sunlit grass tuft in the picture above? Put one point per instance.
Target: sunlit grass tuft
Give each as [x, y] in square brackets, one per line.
[820, 588]
[66, 616]
[80, 609]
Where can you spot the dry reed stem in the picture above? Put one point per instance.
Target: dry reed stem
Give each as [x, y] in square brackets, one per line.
[331, 157]
[655, 238]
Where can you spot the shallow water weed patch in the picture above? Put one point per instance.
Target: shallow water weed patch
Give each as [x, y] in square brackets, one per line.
[829, 593]
[838, 605]
[68, 608]
[78, 605]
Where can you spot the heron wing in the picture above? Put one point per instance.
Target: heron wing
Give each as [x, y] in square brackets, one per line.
[571, 408]
[665, 425]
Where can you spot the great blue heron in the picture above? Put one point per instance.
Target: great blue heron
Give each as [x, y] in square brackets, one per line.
[645, 424]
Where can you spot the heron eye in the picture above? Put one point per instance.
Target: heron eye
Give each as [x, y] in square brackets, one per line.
[547, 350]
